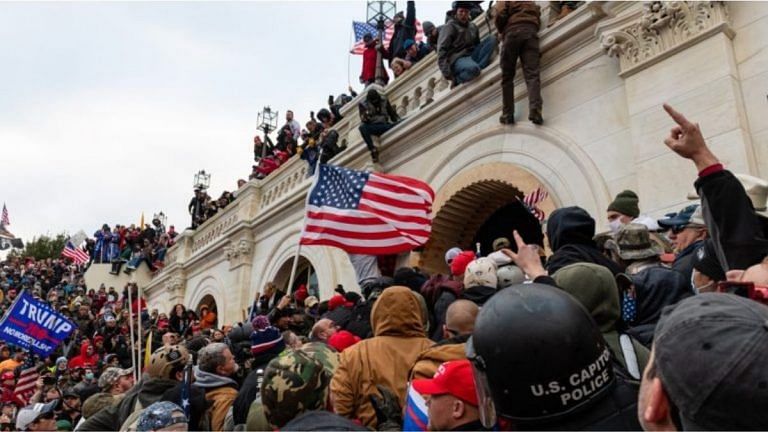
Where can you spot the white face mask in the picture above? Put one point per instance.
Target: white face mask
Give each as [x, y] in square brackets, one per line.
[615, 225]
[696, 289]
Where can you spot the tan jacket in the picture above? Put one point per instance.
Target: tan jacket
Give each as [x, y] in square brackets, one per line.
[429, 360]
[512, 13]
[222, 398]
[386, 359]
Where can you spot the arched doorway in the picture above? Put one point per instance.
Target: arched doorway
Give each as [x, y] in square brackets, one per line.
[478, 206]
[305, 275]
[210, 303]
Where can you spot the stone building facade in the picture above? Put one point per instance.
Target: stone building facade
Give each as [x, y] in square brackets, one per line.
[606, 69]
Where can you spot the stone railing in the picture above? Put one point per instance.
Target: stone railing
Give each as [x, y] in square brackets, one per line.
[283, 181]
[214, 228]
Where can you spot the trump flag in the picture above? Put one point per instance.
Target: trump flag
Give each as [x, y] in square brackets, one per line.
[33, 325]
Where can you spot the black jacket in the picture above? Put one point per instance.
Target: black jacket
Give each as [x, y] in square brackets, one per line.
[731, 220]
[403, 31]
[655, 288]
[684, 260]
[444, 300]
[478, 294]
[570, 231]
[251, 387]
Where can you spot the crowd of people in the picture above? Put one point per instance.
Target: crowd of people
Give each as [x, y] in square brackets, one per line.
[609, 331]
[131, 246]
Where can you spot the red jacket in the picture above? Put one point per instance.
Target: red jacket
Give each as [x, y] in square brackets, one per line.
[369, 65]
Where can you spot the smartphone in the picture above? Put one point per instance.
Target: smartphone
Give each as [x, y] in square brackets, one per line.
[742, 289]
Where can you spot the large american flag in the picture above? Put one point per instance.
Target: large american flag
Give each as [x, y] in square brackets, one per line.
[4, 220]
[361, 28]
[367, 213]
[25, 385]
[77, 255]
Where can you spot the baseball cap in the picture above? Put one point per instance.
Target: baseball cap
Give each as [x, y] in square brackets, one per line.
[454, 378]
[451, 254]
[683, 217]
[725, 388]
[111, 375]
[159, 415]
[164, 360]
[408, 43]
[501, 242]
[310, 301]
[29, 414]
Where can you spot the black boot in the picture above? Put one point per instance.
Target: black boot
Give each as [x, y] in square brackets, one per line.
[535, 116]
[375, 155]
[508, 119]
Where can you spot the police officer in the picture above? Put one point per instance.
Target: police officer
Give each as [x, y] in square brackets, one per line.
[540, 362]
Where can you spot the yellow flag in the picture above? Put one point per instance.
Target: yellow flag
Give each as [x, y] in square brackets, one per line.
[148, 350]
[141, 222]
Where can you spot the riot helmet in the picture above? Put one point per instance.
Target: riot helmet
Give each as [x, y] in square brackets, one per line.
[537, 355]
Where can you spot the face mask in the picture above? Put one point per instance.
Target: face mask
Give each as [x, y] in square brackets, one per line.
[696, 289]
[628, 308]
[89, 376]
[615, 225]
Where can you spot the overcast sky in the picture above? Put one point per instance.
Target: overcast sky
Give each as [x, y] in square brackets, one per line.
[108, 109]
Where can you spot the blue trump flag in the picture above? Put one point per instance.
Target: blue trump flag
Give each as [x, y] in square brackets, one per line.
[33, 325]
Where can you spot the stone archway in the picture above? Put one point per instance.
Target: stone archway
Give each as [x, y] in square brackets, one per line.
[468, 200]
[207, 292]
[305, 274]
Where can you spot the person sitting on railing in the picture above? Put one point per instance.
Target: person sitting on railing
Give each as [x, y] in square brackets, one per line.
[431, 33]
[377, 116]
[261, 149]
[309, 148]
[292, 123]
[566, 7]
[399, 66]
[145, 254]
[460, 53]
[329, 138]
[415, 51]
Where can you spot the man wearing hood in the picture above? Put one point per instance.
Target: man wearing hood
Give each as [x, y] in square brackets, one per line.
[165, 371]
[383, 360]
[595, 288]
[215, 367]
[87, 358]
[570, 231]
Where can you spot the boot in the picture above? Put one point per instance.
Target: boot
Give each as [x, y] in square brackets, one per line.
[535, 116]
[508, 119]
[375, 155]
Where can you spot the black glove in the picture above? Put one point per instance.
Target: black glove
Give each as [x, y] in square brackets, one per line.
[389, 415]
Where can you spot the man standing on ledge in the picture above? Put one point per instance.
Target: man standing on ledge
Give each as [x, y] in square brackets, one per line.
[518, 22]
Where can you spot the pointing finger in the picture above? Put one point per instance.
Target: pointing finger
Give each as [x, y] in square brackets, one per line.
[676, 116]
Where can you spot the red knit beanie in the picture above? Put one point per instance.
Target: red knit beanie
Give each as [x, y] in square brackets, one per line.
[461, 261]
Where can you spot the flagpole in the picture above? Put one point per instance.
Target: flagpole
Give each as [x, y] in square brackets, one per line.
[141, 334]
[130, 323]
[298, 248]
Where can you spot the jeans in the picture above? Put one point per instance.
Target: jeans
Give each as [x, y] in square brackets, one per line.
[370, 130]
[468, 68]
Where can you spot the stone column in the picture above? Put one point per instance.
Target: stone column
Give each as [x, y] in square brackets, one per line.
[239, 254]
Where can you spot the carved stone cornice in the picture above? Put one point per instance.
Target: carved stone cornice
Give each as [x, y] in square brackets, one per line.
[644, 37]
[174, 284]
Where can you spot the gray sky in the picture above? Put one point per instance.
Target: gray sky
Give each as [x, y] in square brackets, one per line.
[108, 109]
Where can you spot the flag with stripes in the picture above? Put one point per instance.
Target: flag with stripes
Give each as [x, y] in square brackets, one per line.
[532, 199]
[4, 220]
[77, 255]
[367, 213]
[416, 415]
[362, 28]
[25, 385]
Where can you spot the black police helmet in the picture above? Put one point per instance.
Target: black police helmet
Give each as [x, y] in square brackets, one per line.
[537, 355]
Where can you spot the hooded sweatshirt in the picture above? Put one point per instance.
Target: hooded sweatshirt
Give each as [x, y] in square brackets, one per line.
[385, 359]
[83, 360]
[595, 288]
[570, 231]
[220, 392]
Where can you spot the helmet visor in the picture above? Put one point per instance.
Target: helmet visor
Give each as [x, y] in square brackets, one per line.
[484, 400]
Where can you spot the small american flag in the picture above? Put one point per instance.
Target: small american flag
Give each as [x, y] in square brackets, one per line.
[77, 255]
[25, 386]
[367, 213]
[362, 28]
[5, 220]
[533, 198]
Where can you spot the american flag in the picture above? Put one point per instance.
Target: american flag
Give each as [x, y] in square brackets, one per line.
[5, 220]
[185, 390]
[367, 213]
[362, 28]
[25, 386]
[533, 198]
[77, 255]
